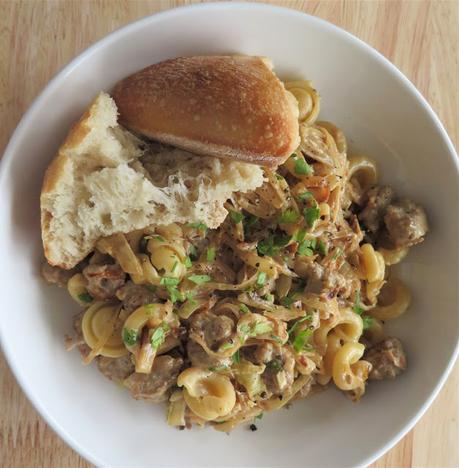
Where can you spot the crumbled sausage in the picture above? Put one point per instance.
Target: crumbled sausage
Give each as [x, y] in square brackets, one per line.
[377, 200]
[154, 386]
[116, 369]
[103, 280]
[406, 223]
[216, 329]
[199, 358]
[135, 295]
[387, 359]
[56, 275]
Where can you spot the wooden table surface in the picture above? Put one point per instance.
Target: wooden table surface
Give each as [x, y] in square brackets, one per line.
[37, 38]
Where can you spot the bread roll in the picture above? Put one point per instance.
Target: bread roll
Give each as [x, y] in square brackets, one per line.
[225, 106]
[97, 186]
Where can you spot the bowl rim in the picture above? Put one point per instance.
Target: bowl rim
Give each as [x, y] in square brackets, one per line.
[118, 33]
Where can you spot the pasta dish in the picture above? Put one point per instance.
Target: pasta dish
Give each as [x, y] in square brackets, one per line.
[288, 296]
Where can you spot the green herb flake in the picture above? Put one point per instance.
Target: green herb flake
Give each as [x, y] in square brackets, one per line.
[218, 368]
[275, 365]
[295, 325]
[226, 346]
[200, 226]
[149, 308]
[338, 253]
[174, 266]
[300, 235]
[277, 339]
[261, 328]
[301, 339]
[261, 278]
[159, 336]
[85, 297]
[306, 196]
[166, 281]
[287, 301]
[243, 308]
[188, 263]
[129, 336]
[311, 215]
[174, 294]
[302, 167]
[211, 254]
[236, 357]
[357, 308]
[289, 216]
[235, 216]
[322, 247]
[259, 416]
[272, 245]
[367, 322]
[199, 279]
[158, 238]
[268, 297]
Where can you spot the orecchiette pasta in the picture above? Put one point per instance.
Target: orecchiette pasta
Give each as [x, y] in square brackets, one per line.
[207, 394]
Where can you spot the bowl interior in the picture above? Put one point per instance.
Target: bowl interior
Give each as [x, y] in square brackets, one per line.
[381, 114]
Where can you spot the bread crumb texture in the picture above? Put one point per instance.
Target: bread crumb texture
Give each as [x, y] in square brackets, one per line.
[105, 180]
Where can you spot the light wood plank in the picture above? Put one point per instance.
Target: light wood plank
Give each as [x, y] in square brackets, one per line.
[37, 38]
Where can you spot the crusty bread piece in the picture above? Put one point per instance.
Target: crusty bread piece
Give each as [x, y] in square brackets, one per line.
[225, 106]
[97, 186]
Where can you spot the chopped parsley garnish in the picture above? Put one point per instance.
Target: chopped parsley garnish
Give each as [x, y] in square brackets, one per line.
[174, 266]
[189, 295]
[276, 338]
[300, 235]
[301, 339]
[159, 336]
[275, 365]
[188, 263]
[236, 357]
[199, 279]
[289, 216]
[259, 416]
[306, 247]
[158, 238]
[149, 308]
[367, 322]
[268, 297]
[218, 368]
[338, 253]
[287, 301]
[192, 252]
[85, 297]
[244, 309]
[357, 308]
[311, 215]
[200, 226]
[301, 166]
[306, 195]
[211, 253]
[295, 325]
[272, 245]
[235, 216]
[174, 294]
[226, 346]
[166, 281]
[261, 278]
[322, 247]
[260, 328]
[129, 336]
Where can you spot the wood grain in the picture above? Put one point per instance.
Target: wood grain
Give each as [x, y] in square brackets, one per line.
[37, 38]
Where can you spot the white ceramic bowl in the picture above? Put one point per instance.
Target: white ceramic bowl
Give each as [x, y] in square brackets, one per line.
[382, 114]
